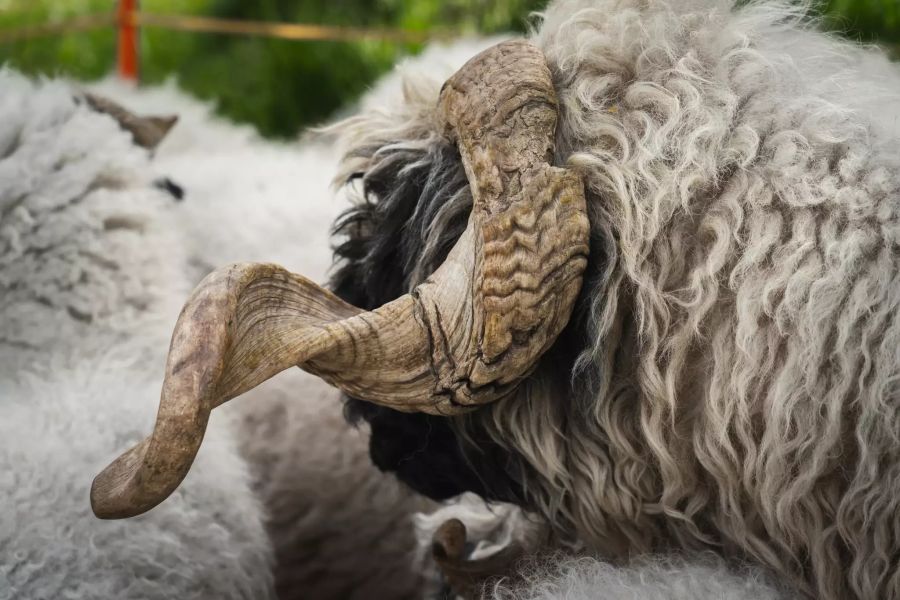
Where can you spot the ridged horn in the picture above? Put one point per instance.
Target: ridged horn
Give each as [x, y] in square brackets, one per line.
[465, 337]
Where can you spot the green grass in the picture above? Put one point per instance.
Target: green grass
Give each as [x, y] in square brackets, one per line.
[282, 86]
[869, 20]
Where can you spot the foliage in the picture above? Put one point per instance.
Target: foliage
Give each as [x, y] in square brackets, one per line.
[868, 20]
[283, 86]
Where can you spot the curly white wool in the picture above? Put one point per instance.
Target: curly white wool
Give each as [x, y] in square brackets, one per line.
[744, 356]
[738, 385]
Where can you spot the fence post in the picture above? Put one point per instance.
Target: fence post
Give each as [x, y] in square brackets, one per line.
[128, 61]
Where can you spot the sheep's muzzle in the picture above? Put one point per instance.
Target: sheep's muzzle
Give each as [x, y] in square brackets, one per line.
[464, 338]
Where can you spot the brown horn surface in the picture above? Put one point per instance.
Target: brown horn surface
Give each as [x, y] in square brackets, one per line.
[465, 337]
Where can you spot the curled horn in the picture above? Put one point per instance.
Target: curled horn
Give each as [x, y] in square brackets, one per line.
[464, 338]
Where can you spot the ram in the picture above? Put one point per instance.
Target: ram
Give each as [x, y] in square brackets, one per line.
[637, 274]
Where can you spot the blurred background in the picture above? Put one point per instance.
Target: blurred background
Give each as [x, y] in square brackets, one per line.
[282, 86]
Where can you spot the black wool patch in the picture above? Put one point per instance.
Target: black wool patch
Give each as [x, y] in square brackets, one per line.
[414, 204]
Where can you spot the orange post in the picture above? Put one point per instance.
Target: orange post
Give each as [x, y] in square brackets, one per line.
[128, 62]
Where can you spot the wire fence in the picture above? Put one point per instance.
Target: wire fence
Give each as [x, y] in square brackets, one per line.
[128, 20]
[285, 31]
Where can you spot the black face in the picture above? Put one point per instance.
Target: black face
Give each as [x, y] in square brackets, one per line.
[384, 249]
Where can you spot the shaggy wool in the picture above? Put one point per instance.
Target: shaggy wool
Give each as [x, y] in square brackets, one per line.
[90, 275]
[729, 378]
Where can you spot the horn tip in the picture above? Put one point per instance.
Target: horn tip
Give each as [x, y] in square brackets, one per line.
[114, 491]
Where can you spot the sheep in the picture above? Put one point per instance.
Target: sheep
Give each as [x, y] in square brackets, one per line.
[727, 378]
[95, 259]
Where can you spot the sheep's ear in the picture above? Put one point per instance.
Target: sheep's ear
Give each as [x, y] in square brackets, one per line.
[467, 336]
[147, 132]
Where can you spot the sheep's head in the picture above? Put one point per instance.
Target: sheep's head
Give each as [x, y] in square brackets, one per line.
[465, 337]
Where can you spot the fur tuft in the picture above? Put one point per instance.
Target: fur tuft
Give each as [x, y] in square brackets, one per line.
[665, 578]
